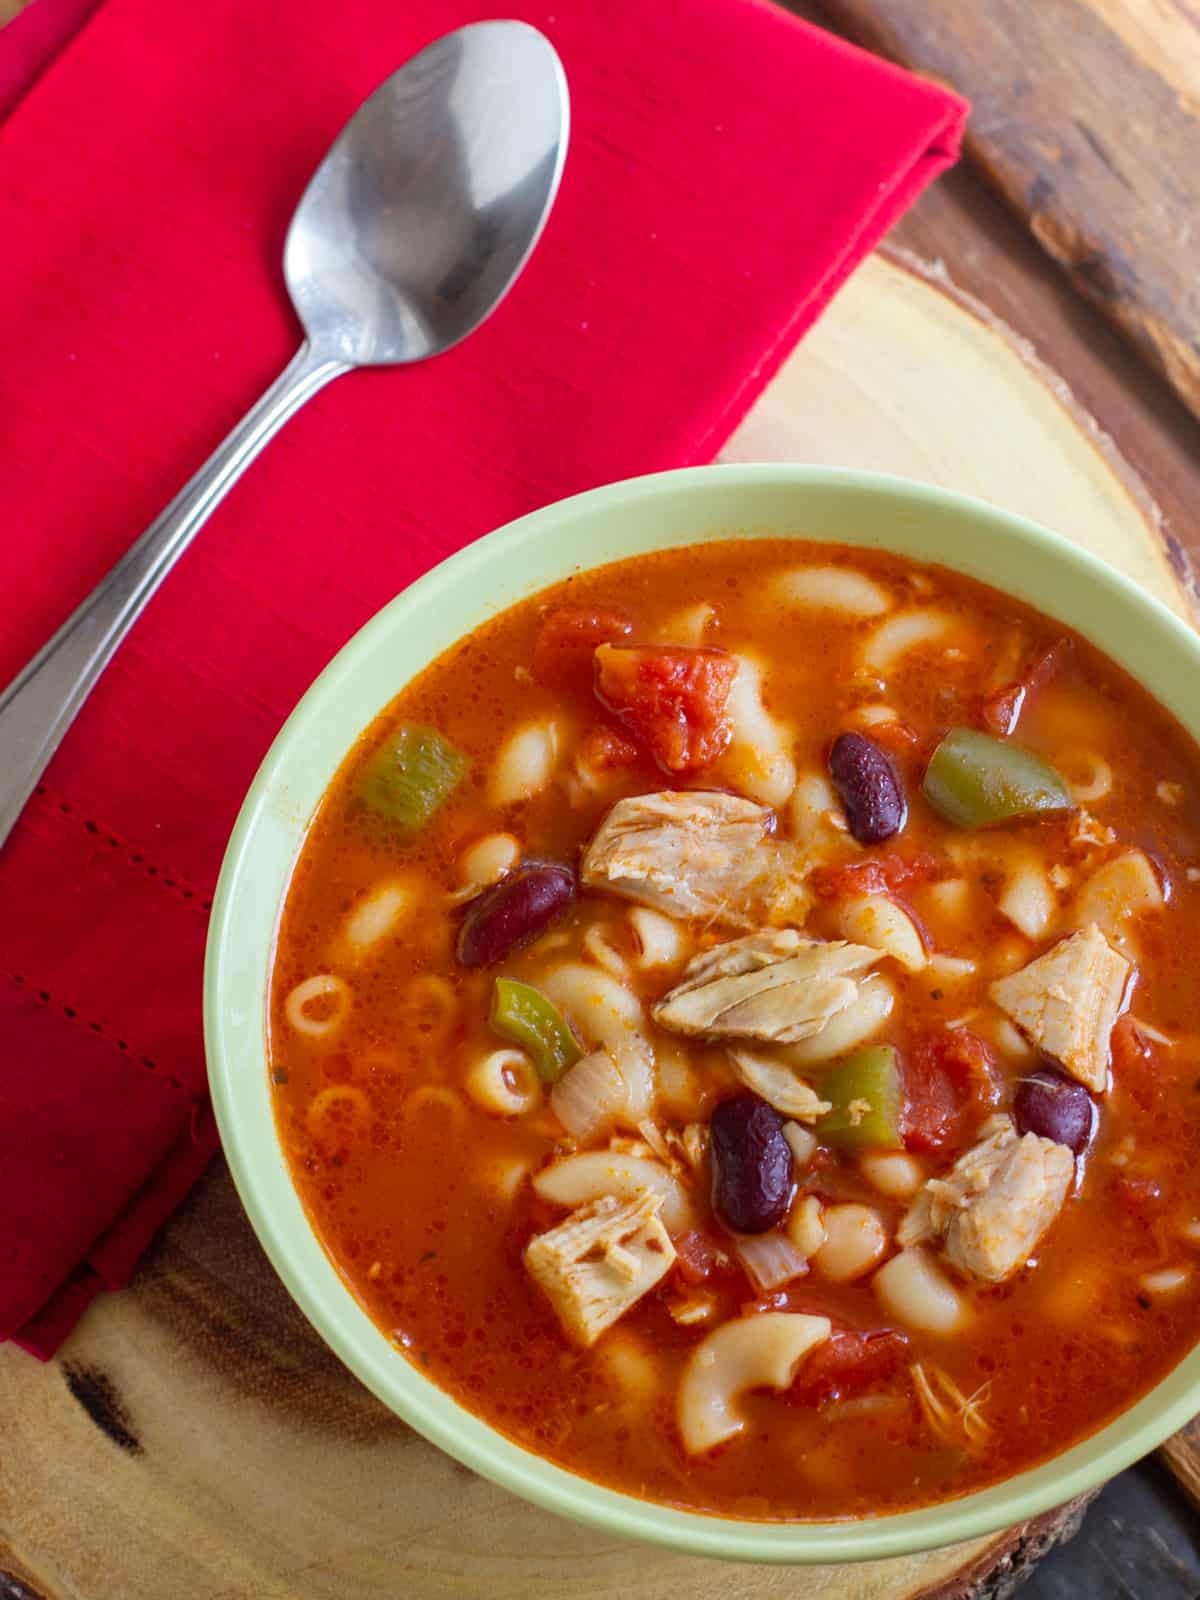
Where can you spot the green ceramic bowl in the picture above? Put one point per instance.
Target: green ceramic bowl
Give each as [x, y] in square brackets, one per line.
[607, 524]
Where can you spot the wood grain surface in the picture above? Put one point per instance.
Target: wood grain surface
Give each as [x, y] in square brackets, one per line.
[1182, 1456]
[194, 1440]
[1087, 119]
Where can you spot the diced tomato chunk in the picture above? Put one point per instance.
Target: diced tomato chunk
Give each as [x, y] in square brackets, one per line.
[670, 697]
[566, 642]
[1134, 1065]
[882, 876]
[695, 1256]
[999, 712]
[947, 1076]
[604, 749]
[848, 1363]
[1131, 1050]
[894, 735]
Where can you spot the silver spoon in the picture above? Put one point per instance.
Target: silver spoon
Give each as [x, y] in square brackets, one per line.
[413, 229]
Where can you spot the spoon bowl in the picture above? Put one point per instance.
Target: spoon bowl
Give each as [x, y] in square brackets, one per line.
[427, 206]
[413, 229]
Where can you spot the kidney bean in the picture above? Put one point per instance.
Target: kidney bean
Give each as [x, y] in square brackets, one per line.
[513, 911]
[752, 1164]
[1054, 1106]
[870, 788]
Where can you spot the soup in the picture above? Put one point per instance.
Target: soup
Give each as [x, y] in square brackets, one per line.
[733, 1027]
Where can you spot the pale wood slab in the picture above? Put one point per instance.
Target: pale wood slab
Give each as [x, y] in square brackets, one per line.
[1086, 118]
[194, 1440]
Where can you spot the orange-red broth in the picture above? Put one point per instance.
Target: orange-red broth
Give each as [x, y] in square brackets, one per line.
[421, 1203]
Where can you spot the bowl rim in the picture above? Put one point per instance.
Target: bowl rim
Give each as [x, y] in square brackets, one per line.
[344, 1324]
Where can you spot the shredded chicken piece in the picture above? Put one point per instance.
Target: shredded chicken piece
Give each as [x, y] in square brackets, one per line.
[623, 1262]
[699, 853]
[694, 1139]
[772, 986]
[1086, 831]
[656, 1141]
[1067, 1001]
[777, 1084]
[601, 1261]
[624, 1145]
[955, 1417]
[995, 1203]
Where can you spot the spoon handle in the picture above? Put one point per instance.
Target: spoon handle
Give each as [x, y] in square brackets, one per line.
[40, 704]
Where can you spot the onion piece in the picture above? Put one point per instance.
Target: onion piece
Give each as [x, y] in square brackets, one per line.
[589, 1096]
[771, 1259]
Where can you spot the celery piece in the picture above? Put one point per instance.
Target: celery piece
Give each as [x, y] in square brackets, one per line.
[410, 776]
[974, 780]
[525, 1015]
[865, 1094]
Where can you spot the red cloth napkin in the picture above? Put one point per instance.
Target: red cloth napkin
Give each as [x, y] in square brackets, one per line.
[729, 166]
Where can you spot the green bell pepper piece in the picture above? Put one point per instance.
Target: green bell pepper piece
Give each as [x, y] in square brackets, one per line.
[865, 1094]
[527, 1017]
[411, 776]
[974, 780]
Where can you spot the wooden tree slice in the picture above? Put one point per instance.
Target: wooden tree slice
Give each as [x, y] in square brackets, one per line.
[194, 1440]
[899, 378]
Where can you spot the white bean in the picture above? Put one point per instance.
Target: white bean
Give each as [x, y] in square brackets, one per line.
[950, 899]
[678, 1088]
[525, 764]
[660, 941]
[1008, 1039]
[805, 1226]
[489, 858]
[1007, 955]
[855, 1238]
[374, 917]
[915, 1291]
[831, 589]
[801, 1141]
[630, 1363]
[892, 1172]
